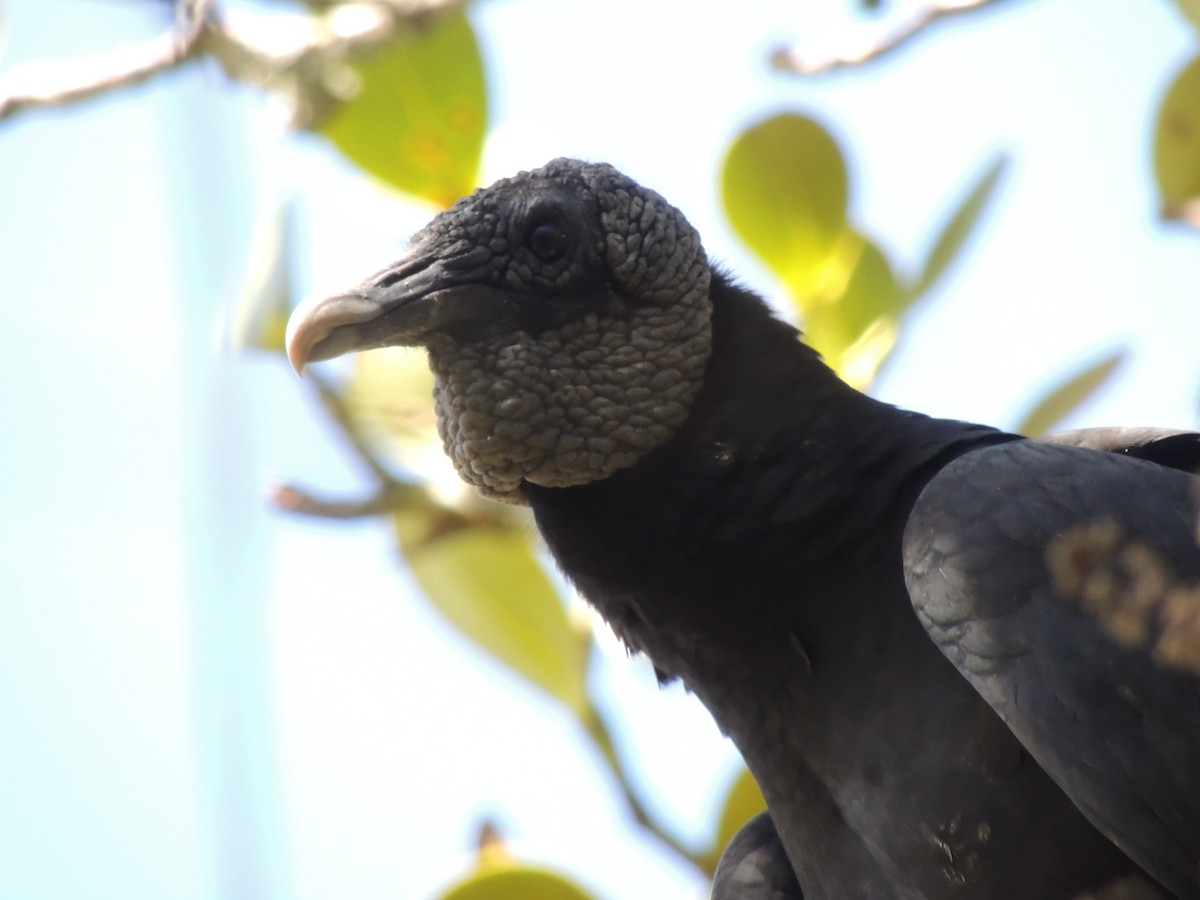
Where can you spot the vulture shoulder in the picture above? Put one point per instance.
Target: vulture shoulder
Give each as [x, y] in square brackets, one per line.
[992, 554]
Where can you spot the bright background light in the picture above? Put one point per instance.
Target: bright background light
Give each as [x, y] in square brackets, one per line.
[200, 698]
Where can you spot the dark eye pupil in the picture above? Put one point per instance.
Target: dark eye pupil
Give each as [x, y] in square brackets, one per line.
[548, 241]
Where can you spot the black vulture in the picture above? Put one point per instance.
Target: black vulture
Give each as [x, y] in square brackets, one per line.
[859, 594]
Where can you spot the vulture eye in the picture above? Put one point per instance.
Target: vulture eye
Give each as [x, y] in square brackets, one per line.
[547, 240]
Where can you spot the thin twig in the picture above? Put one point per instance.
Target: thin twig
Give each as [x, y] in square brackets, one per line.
[796, 61]
[70, 81]
[1187, 213]
[295, 499]
[389, 494]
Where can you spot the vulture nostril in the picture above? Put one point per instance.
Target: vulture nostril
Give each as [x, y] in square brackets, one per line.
[389, 278]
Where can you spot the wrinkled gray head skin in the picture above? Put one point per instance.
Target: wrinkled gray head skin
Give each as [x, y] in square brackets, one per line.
[567, 318]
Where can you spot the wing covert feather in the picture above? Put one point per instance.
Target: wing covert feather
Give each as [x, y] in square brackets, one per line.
[1120, 734]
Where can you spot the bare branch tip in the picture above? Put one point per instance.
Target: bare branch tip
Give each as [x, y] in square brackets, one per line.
[795, 61]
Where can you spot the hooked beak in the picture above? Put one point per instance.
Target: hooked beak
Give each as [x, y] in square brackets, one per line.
[400, 306]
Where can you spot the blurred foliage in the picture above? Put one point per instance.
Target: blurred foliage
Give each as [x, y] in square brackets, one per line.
[418, 116]
[499, 875]
[1191, 11]
[1177, 146]
[489, 585]
[415, 118]
[1070, 394]
[389, 394]
[786, 191]
[950, 240]
[511, 880]
[259, 320]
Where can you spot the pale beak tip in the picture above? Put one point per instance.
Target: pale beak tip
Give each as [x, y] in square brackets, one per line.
[297, 348]
[311, 328]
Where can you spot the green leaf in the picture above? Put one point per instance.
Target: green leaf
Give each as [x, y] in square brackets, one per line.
[957, 229]
[390, 393]
[261, 315]
[1191, 11]
[784, 186]
[498, 875]
[855, 330]
[743, 802]
[418, 119]
[1177, 144]
[489, 585]
[514, 881]
[1069, 395]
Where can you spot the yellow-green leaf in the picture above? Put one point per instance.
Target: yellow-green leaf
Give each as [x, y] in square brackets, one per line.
[391, 393]
[1069, 394]
[489, 585]
[743, 802]
[1177, 146]
[784, 187]
[855, 329]
[1191, 11]
[514, 881]
[860, 362]
[958, 228]
[418, 118]
[261, 315]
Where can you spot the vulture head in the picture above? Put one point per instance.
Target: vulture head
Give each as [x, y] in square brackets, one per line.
[567, 318]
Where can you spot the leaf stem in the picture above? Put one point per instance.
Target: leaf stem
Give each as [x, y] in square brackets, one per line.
[596, 725]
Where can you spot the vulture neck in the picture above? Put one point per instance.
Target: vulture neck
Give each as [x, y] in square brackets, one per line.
[815, 453]
[757, 557]
[782, 480]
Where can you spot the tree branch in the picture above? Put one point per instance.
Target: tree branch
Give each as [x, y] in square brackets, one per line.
[307, 69]
[796, 61]
[388, 494]
[292, 498]
[71, 81]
